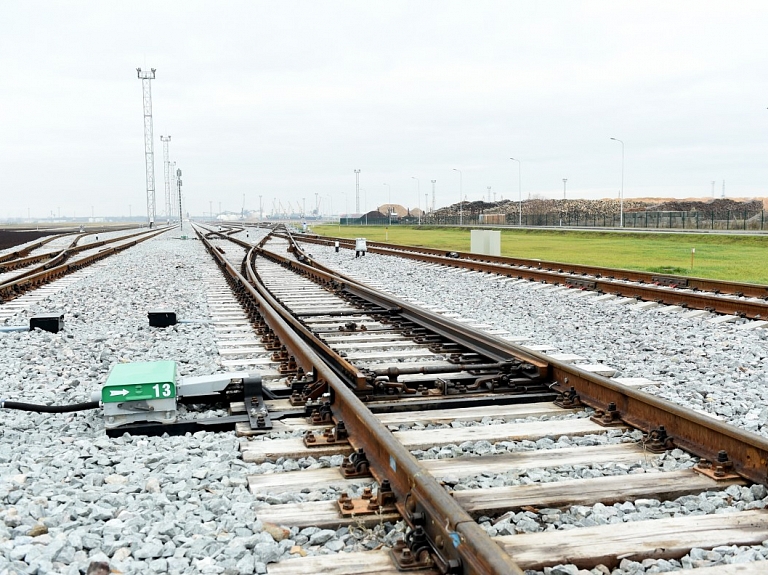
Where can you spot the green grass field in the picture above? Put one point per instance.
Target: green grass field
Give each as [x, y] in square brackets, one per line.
[726, 257]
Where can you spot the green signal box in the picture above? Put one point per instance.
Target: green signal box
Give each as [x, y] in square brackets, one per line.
[140, 392]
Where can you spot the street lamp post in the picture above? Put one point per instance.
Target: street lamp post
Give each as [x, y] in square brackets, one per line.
[433, 195]
[418, 196]
[621, 198]
[519, 191]
[389, 202]
[461, 196]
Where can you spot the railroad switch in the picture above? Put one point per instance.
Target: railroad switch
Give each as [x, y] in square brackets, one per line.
[367, 503]
[721, 469]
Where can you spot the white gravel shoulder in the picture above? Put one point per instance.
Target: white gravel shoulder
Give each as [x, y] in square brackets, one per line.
[69, 494]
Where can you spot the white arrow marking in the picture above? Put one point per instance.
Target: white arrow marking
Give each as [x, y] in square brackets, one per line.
[112, 393]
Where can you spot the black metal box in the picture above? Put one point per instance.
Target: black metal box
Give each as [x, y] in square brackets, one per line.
[52, 322]
[161, 317]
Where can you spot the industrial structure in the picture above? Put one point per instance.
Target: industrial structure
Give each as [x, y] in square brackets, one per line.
[166, 172]
[149, 147]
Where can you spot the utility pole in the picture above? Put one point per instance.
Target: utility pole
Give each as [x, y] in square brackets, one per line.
[174, 194]
[489, 194]
[564, 180]
[178, 185]
[723, 189]
[713, 189]
[166, 171]
[357, 191]
[149, 146]
[433, 195]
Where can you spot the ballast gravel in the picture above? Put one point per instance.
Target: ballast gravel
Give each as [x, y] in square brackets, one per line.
[719, 369]
[69, 495]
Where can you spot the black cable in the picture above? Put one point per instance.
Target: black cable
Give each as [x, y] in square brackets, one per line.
[49, 408]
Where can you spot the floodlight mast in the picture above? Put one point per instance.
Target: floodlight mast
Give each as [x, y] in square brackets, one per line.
[166, 171]
[149, 147]
[178, 184]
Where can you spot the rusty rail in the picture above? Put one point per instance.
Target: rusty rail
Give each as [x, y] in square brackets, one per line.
[461, 543]
[18, 254]
[697, 433]
[602, 282]
[695, 283]
[38, 276]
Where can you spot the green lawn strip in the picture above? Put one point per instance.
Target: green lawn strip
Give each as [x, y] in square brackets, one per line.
[732, 258]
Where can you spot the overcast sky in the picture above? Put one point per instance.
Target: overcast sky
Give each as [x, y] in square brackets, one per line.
[285, 99]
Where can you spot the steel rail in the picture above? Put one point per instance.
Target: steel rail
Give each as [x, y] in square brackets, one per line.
[485, 344]
[666, 295]
[463, 545]
[695, 283]
[46, 257]
[697, 433]
[56, 258]
[19, 285]
[18, 254]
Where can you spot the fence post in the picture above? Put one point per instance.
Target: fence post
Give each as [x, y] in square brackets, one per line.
[745, 219]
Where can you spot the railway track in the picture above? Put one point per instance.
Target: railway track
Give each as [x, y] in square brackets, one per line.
[730, 298]
[486, 456]
[448, 435]
[20, 274]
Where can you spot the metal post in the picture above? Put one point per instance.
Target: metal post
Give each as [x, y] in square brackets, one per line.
[173, 189]
[461, 196]
[418, 196]
[621, 197]
[433, 195]
[389, 202]
[149, 146]
[357, 191]
[178, 184]
[519, 192]
[166, 173]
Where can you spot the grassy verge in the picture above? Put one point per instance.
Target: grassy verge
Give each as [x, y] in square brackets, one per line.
[732, 258]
